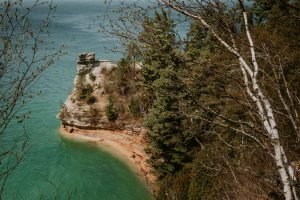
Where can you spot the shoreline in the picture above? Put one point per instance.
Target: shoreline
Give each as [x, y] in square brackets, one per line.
[126, 146]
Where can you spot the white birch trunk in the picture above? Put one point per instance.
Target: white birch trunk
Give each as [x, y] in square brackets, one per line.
[264, 108]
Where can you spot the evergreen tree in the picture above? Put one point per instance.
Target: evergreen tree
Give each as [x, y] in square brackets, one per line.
[161, 66]
[164, 120]
[158, 51]
[198, 41]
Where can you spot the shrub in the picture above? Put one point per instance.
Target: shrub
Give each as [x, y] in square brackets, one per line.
[110, 112]
[63, 114]
[85, 91]
[92, 76]
[119, 107]
[91, 100]
[134, 107]
[94, 116]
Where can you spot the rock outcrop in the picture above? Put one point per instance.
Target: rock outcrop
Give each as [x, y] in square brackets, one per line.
[85, 106]
[85, 109]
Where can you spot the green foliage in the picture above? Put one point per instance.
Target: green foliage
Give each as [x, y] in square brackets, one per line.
[175, 186]
[198, 44]
[194, 102]
[123, 88]
[162, 62]
[92, 76]
[110, 111]
[203, 185]
[91, 100]
[135, 107]
[85, 91]
[121, 78]
[278, 17]
[94, 116]
[158, 40]
[120, 108]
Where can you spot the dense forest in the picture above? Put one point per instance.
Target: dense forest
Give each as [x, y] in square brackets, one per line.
[219, 104]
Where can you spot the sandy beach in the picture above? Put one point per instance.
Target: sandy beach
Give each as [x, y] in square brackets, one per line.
[123, 144]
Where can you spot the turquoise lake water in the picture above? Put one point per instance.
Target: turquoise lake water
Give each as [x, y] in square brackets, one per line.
[54, 165]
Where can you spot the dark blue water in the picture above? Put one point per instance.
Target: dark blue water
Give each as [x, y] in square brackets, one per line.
[54, 167]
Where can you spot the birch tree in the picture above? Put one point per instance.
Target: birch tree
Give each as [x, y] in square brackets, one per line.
[213, 17]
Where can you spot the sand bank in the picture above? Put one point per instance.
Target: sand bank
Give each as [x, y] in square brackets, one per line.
[127, 146]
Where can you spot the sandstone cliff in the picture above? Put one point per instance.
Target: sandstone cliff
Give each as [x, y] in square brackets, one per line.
[85, 106]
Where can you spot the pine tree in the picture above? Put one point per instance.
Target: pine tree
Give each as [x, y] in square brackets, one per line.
[165, 123]
[198, 41]
[162, 63]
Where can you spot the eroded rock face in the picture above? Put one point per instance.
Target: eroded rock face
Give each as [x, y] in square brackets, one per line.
[85, 106]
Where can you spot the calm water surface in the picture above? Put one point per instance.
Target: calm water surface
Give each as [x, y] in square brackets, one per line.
[56, 166]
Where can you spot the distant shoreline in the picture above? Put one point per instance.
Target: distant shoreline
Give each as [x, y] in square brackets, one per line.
[128, 147]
